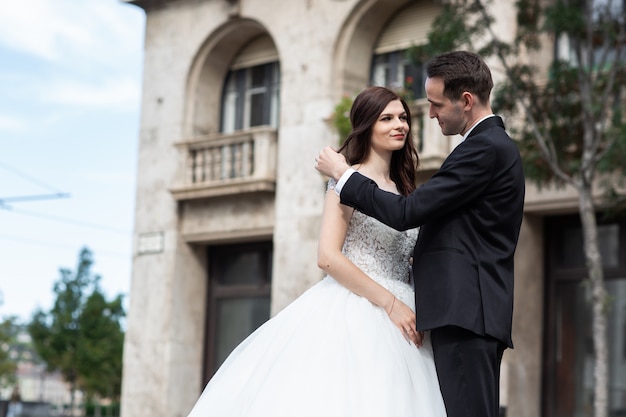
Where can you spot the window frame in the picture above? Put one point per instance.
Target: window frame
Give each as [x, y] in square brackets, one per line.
[217, 292]
[401, 74]
[556, 275]
[236, 101]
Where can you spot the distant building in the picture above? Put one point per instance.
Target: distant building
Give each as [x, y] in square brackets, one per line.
[236, 104]
[38, 388]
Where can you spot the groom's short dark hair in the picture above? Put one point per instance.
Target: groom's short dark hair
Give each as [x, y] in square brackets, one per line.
[461, 71]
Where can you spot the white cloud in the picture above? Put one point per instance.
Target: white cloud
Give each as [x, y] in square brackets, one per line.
[89, 53]
[122, 93]
[56, 30]
[40, 28]
[11, 124]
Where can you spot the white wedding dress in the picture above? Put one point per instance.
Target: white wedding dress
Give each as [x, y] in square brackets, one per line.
[332, 353]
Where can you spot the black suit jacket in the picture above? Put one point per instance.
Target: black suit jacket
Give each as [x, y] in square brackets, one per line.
[470, 213]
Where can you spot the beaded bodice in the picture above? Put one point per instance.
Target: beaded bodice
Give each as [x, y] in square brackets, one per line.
[378, 250]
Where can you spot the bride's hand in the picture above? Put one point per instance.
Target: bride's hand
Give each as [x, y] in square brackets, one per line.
[404, 318]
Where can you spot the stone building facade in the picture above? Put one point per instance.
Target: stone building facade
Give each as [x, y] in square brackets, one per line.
[236, 104]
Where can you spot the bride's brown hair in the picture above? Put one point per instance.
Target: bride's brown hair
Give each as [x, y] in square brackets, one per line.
[367, 107]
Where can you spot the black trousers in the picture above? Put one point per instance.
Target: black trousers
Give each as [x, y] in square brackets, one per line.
[468, 367]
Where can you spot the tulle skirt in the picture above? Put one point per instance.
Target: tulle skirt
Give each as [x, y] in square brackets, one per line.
[330, 353]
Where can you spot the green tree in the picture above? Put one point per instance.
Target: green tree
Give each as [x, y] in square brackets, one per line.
[99, 355]
[81, 336]
[570, 125]
[8, 366]
[341, 118]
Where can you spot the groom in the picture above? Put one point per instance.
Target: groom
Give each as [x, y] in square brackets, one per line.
[470, 213]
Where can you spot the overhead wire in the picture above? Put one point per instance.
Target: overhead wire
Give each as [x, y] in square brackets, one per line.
[70, 221]
[30, 178]
[56, 194]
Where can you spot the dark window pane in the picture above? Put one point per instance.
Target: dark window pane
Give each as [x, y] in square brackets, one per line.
[257, 110]
[573, 350]
[257, 76]
[241, 268]
[236, 319]
[397, 71]
[572, 342]
[380, 70]
[414, 80]
[571, 253]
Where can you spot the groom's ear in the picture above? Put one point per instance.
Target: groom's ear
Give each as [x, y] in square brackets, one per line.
[468, 100]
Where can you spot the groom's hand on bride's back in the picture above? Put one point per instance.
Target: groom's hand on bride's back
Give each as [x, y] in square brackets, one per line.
[331, 163]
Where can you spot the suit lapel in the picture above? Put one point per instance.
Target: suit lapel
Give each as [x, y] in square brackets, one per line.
[486, 124]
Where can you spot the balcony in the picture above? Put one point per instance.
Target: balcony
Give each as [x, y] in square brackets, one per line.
[227, 164]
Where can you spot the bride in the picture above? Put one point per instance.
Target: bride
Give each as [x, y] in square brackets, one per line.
[347, 346]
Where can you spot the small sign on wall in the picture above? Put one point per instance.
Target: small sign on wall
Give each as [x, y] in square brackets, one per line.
[150, 243]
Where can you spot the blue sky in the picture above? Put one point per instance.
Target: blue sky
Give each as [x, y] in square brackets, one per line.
[70, 87]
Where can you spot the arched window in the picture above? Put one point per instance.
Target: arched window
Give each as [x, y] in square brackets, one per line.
[391, 65]
[250, 95]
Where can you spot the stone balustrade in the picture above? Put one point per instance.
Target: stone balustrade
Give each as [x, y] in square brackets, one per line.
[226, 164]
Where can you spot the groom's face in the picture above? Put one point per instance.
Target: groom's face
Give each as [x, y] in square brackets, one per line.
[450, 114]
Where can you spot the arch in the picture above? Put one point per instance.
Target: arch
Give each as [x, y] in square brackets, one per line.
[209, 68]
[359, 37]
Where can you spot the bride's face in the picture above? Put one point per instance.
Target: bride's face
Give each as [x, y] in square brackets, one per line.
[390, 130]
